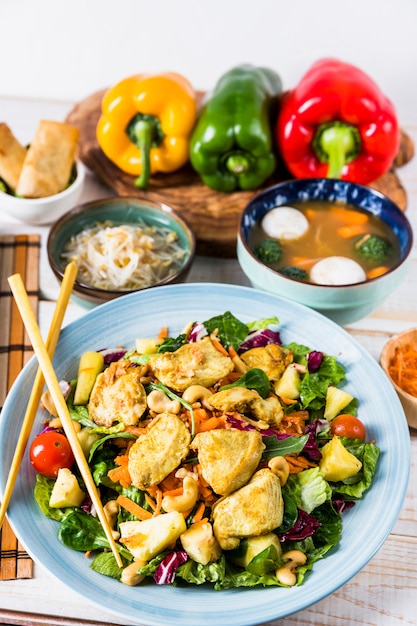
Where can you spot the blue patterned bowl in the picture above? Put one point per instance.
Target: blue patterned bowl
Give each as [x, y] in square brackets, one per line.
[343, 304]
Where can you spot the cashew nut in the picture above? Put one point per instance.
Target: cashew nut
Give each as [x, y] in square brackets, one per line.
[182, 472]
[286, 574]
[185, 501]
[197, 393]
[111, 510]
[160, 403]
[280, 467]
[130, 574]
[48, 404]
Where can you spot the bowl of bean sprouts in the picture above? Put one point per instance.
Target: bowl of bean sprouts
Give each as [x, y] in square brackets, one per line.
[121, 245]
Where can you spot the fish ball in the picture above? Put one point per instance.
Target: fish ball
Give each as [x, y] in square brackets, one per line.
[285, 223]
[337, 270]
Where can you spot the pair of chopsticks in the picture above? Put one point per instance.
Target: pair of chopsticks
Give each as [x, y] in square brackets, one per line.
[46, 374]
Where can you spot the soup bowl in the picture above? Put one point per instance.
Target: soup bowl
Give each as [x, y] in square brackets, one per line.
[345, 303]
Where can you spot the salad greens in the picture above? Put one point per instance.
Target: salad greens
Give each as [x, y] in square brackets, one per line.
[312, 506]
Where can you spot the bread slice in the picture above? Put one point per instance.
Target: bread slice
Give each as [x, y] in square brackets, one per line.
[49, 160]
[12, 156]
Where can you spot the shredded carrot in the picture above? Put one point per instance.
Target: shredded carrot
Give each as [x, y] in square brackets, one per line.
[293, 423]
[133, 508]
[200, 414]
[351, 217]
[121, 474]
[346, 232]
[163, 334]
[310, 214]
[303, 262]
[198, 515]
[232, 352]
[135, 430]
[150, 502]
[377, 271]
[403, 368]
[298, 463]
[187, 513]
[174, 492]
[216, 343]
[288, 400]
[210, 424]
[170, 482]
[158, 502]
[200, 522]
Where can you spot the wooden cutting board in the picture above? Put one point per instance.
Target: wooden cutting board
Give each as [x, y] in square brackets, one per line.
[213, 216]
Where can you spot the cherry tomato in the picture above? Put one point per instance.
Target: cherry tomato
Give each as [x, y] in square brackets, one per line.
[348, 426]
[49, 452]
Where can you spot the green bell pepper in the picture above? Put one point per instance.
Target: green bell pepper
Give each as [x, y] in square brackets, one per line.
[232, 146]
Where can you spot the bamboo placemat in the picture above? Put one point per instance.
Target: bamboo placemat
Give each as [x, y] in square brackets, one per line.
[19, 254]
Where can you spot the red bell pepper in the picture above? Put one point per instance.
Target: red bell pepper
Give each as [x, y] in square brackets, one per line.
[337, 124]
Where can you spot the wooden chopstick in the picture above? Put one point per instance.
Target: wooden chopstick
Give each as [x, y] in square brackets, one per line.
[17, 329]
[22, 301]
[35, 396]
[32, 286]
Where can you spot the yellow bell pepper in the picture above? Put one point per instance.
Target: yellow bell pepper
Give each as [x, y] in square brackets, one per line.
[146, 122]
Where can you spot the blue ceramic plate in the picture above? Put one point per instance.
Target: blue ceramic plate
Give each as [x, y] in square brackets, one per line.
[365, 527]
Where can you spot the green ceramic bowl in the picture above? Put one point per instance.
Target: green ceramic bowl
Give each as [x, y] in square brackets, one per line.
[343, 304]
[118, 211]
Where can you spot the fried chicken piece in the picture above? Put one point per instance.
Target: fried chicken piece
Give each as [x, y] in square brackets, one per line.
[198, 363]
[248, 401]
[228, 457]
[118, 396]
[255, 509]
[272, 359]
[158, 452]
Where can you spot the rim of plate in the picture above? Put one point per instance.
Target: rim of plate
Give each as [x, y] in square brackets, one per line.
[142, 314]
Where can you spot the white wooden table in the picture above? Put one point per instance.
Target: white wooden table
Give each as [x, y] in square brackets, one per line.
[384, 593]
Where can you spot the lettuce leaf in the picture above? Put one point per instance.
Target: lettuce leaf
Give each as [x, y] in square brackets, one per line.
[42, 493]
[231, 331]
[308, 489]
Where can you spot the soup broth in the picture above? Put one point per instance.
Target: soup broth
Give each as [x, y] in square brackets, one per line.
[334, 229]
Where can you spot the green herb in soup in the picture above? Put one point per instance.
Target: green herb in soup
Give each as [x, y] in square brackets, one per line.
[326, 243]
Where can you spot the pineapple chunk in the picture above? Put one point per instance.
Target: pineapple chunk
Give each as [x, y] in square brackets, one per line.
[288, 386]
[336, 401]
[91, 364]
[148, 538]
[66, 491]
[337, 463]
[256, 545]
[87, 439]
[147, 346]
[200, 543]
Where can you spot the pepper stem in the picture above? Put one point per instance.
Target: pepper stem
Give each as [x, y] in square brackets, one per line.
[336, 143]
[237, 163]
[145, 132]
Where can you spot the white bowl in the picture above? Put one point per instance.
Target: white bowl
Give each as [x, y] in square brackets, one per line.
[37, 211]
